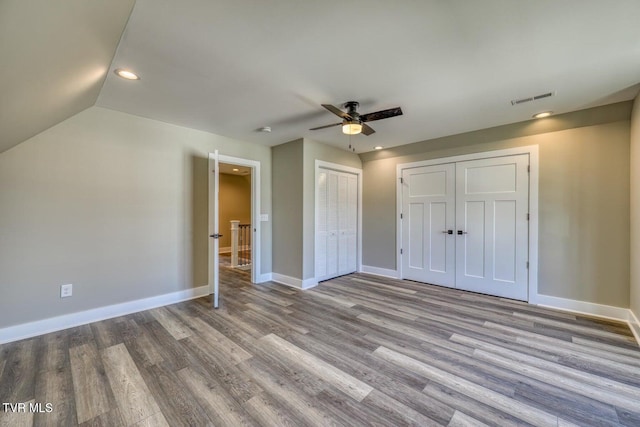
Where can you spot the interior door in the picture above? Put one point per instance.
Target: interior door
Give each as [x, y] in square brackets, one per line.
[350, 232]
[428, 219]
[214, 229]
[337, 224]
[492, 204]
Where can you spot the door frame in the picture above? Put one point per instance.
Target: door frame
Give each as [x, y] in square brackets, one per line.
[532, 151]
[338, 168]
[214, 268]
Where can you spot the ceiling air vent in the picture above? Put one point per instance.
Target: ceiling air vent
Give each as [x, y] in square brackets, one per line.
[531, 98]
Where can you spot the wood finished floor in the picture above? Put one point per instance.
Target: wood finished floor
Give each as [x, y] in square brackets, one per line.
[356, 350]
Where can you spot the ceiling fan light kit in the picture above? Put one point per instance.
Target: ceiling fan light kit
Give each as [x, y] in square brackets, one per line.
[351, 127]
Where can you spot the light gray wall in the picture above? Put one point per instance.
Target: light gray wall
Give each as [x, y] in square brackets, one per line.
[317, 151]
[583, 199]
[287, 179]
[635, 211]
[115, 204]
[294, 203]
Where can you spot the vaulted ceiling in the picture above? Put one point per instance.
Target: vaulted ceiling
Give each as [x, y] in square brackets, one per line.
[231, 67]
[54, 56]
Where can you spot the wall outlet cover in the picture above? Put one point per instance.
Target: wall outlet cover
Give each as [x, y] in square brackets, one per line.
[66, 290]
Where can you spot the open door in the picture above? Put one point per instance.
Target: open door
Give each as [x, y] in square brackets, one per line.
[214, 228]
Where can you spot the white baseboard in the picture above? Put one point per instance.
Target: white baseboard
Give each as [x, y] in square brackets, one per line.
[583, 307]
[380, 271]
[293, 281]
[53, 324]
[634, 324]
[266, 277]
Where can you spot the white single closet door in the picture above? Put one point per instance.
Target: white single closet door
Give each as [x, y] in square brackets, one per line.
[428, 215]
[492, 204]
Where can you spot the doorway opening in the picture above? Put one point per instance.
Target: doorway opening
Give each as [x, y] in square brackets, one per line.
[234, 221]
[234, 197]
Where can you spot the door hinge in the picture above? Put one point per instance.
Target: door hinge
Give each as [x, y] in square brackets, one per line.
[527, 217]
[527, 264]
[400, 251]
[528, 168]
[400, 215]
[401, 180]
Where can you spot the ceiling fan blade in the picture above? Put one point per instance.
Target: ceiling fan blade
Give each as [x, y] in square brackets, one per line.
[379, 115]
[338, 112]
[327, 126]
[367, 130]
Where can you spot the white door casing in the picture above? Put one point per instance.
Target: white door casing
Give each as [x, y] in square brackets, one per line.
[428, 211]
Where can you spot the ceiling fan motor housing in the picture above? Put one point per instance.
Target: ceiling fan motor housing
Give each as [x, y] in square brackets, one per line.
[352, 108]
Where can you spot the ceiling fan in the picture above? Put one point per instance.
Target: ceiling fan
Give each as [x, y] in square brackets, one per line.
[353, 122]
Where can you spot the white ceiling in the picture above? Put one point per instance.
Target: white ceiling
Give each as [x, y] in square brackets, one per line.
[54, 56]
[230, 66]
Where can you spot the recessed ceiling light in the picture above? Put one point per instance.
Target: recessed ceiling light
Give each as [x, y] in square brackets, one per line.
[126, 74]
[236, 169]
[542, 115]
[377, 147]
[265, 129]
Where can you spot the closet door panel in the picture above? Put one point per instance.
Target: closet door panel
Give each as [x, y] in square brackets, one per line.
[337, 224]
[492, 199]
[332, 224]
[321, 228]
[428, 212]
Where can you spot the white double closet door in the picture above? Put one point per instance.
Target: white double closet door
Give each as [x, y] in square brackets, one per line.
[337, 224]
[465, 225]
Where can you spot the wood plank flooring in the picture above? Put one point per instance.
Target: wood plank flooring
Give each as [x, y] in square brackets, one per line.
[357, 350]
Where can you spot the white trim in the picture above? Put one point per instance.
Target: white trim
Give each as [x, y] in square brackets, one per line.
[584, 307]
[266, 277]
[384, 272]
[58, 323]
[532, 151]
[340, 168]
[634, 324]
[294, 282]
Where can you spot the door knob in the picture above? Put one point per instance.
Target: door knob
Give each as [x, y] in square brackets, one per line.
[216, 236]
[447, 231]
[460, 232]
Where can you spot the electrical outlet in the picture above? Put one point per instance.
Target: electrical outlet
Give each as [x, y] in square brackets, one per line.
[66, 290]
